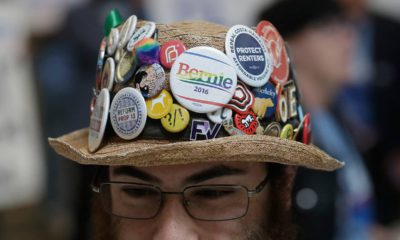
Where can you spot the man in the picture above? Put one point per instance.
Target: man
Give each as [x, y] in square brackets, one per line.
[227, 182]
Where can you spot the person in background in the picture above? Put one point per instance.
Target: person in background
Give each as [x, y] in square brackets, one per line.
[321, 42]
[372, 104]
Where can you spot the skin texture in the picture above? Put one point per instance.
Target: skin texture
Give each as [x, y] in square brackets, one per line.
[268, 216]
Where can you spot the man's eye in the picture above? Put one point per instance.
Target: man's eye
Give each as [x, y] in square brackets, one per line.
[213, 193]
[140, 192]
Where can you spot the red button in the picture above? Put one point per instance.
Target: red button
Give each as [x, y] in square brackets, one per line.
[307, 129]
[276, 46]
[170, 51]
[247, 122]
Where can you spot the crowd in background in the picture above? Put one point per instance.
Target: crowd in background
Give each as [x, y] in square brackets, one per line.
[347, 59]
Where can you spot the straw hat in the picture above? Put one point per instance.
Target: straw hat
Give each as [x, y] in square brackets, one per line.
[155, 147]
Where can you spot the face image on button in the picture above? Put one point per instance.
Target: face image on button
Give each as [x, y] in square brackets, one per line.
[150, 80]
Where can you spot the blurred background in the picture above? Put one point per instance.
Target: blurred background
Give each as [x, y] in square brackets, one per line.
[347, 57]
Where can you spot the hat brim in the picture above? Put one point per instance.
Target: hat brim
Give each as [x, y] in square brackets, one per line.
[142, 153]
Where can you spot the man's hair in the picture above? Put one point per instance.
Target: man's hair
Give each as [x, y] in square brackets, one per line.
[279, 224]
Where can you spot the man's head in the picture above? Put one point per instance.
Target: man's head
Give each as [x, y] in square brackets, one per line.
[214, 154]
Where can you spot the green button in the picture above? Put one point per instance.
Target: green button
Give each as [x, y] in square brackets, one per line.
[113, 20]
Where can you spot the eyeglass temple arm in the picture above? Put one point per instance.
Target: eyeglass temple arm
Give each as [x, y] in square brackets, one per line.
[259, 188]
[96, 180]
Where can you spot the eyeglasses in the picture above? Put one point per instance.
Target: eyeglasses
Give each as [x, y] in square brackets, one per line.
[202, 202]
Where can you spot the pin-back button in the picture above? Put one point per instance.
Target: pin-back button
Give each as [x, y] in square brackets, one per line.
[146, 31]
[150, 80]
[98, 120]
[231, 129]
[242, 100]
[266, 100]
[107, 79]
[246, 123]
[176, 120]
[100, 63]
[276, 46]
[112, 41]
[220, 115]
[170, 51]
[287, 132]
[160, 105]
[203, 130]
[147, 51]
[273, 129]
[203, 79]
[126, 67]
[113, 20]
[251, 59]
[128, 113]
[127, 30]
[307, 129]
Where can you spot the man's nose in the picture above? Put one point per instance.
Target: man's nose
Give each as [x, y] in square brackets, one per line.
[174, 223]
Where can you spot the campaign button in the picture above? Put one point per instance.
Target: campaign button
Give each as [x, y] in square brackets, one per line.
[247, 122]
[220, 115]
[150, 80]
[176, 120]
[242, 100]
[112, 41]
[231, 129]
[287, 132]
[146, 31]
[107, 79]
[100, 62]
[266, 100]
[251, 59]
[160, 105]
[202, 130]
[307, 129]
[147, 51]
[170, 51]
[128, 113]
[126, 67]
[203, 79]
[127, 30]
[273, 129]
[98, 120]
[276, 46]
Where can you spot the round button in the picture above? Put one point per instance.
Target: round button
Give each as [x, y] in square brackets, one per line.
[147, 51]
[220, 115]
[307, 129]
[159, 106]
[107, 79]
[126, 67]
[203, 79]
[176, 120]
[287, 132]
[98, 120]
[276, 46]
[128, 113]
[170, 51]
[247, 51]
[150, 80]
[273, 129]
[266, 100]
[242, 100]
[112, 41]
[246, 123]
[127, 30]
[146, 31]
[100, 62]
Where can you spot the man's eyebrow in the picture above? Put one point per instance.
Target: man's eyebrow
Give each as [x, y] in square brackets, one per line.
[136, 173]
[214, 172]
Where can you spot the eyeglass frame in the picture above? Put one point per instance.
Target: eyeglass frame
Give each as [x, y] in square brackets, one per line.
[250, 194]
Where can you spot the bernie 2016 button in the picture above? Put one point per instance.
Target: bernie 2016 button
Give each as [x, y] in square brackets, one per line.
[266, 100]
[160, 105]
[127, 30]
[176, 120]
[277, 49]
[98, 120]
[128, 113]
[246, 49]
[146, 31]
[203, 79]
[170, 51]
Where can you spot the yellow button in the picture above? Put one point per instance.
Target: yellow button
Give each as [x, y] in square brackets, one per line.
[176, 120]
[287, 132]
[159, 106]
